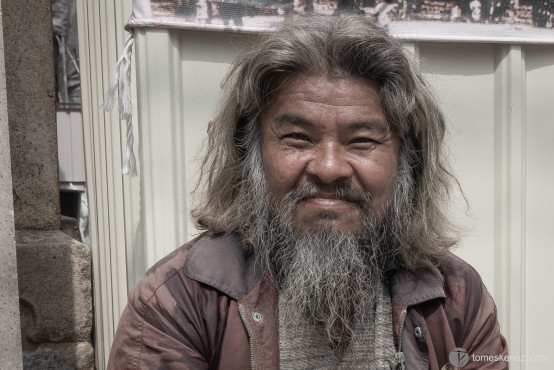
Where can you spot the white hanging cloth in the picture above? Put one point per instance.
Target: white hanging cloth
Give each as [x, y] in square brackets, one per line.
[122, 80]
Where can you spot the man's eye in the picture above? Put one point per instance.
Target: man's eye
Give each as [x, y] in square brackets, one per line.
[296, 137]
[362, 141]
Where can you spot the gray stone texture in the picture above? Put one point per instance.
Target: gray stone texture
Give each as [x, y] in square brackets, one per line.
[55, 293]
[66, 356]
[28, 43]
[10, 335]
[50, 325]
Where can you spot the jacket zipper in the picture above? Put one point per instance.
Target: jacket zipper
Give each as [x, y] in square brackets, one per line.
[400, 355]
[249, 333]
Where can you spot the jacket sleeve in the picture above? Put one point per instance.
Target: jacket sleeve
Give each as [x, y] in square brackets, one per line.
[479, 330]
[154, 334]
[485, 345]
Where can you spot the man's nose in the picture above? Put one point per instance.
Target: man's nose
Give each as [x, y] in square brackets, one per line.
[329, 163]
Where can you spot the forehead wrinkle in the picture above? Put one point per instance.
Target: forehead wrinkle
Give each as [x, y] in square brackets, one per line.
[373, 125]
[294, 119]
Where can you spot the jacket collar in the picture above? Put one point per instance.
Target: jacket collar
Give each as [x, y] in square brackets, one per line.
[414, 287]
[221, 261]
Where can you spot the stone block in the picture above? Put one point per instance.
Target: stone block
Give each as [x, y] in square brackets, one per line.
[60, 356]
[30, 82]
[55, 289]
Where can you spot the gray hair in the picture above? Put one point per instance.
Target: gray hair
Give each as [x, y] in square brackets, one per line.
[335, 47]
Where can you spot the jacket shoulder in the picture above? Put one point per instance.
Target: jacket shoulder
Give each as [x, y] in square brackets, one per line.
[463, 286]
[160, 273]
[166, 319]
[197, 260]
[451, 265]
[470, 308]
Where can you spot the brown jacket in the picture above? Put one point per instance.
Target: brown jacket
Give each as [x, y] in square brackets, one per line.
[208, 306]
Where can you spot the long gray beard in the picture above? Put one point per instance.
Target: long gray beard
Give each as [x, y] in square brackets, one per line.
[326, 278]
[328, 281]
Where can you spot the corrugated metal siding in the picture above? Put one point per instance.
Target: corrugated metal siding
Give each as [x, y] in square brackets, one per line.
[101, 36]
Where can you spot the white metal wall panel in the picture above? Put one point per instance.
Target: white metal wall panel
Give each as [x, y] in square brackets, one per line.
[178, 78]
[70, 146]
[498, 99]
[539, 204]
[510, 194]
[101, 35]
[463, 78]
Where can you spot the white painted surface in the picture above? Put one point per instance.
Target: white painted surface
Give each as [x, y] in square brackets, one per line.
[101, 36]
[71, 154]
[499, 101]
[178, 77]
[539, 204]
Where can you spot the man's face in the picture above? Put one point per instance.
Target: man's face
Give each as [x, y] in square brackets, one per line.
[332, 134]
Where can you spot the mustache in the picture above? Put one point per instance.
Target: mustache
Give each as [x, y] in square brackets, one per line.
[344, 192]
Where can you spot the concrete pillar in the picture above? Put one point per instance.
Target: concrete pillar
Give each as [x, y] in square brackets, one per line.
[54, 321]
[10, 336]
[30, 81]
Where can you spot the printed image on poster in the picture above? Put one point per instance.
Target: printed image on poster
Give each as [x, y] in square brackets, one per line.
[511, 21]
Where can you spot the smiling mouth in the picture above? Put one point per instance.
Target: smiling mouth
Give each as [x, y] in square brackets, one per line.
[328, 201]
[332, 198]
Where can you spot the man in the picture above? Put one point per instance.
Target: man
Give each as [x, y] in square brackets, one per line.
[326, 243]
